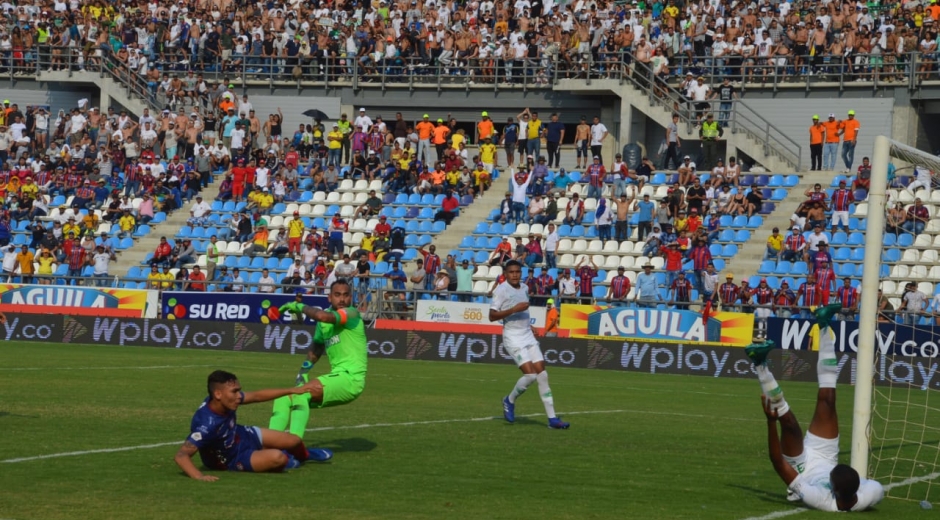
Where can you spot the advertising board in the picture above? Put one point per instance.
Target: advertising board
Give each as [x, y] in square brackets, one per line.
[78, 300]
[230, 306]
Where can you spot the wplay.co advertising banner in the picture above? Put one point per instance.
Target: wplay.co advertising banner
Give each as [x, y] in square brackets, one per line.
[662, 325]
[78, 300]
[633, 356]
[434, 311]
[892, 338]
[226, 306]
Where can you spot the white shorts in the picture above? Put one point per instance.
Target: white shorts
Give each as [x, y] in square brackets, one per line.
[840, 216]
[798, 221]
[584, 48]
[819, 455]
[527, 354]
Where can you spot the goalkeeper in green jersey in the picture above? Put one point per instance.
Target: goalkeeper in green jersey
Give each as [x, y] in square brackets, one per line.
[340, 334]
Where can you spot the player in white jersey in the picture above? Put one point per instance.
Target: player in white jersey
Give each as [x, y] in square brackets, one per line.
[810, 466]
[511, 305]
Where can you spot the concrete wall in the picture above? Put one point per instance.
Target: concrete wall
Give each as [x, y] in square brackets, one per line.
[30, 93]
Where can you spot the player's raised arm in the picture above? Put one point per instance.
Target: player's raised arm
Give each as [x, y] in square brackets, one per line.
[184, 459]
[786, 472]
[260, 396]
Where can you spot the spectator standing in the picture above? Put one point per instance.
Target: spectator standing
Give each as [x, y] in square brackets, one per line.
[554, 137]
[710, 133]
[842, 199]
[915, 303]
[535, 132]
[848, 297]
[587, 270]
[432, 264]
[681, 291]
[710, 284]
[831, 146]
[674, 258]
[647, 287]
[596, 173]
[764, 299]
[817, 134]
[76, 260]
[726, 94]
[645, 209]
[101, 260]
[622, 225]
[551, 246]
[849, 130]
[784, 300]
[582, 139]
[465, 274]
[598, 134]
[509, 140]
[673, 143]
[520, 183]
[619, 289]
[604, 219]
[728, 293]
[701, 258]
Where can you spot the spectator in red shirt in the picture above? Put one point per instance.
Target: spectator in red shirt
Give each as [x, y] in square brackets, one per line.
[162, 254]
[673, 261]
[586, 274]
[449, 208]
[382, 229]
[196, 281]
[502, 253]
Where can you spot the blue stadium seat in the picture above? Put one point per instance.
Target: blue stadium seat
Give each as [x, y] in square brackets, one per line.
[231, 261]
[184, 232]
[905, 240]
[438, 227]
[742, 235]
[438, 200]
[426, 213]
[891, 239]
[466, 200]
[726, 235]
[855, 239]
[492, 242]
[197, 233]
[243, 262]
[414, 199]
[564, 231]
[729, 250]
[659, 178]
[412, 226]
[399, 212]
[424, 240]
[746, 179]
[725, 221]
[57, 201]
[891, 255]
[255, 277]
[845, 270]
[577, 232]
[257, 263]
[271, 263]
[142, 231]
[284, 263]
[767, 267]
[126, 243]
[739, 221]
[791, 181]
[466, 242]
[762, 180]
[424, 226]
[775, 181]
[481, 257]
[158, 218]
[427, 199]
[495, 229]
[799, 269]
[402, 198]
[841, 254]
[755, 222]
[279, 208]
[715, 249]
[509, 228]
[838, 238]
[229, 206]
[857, 255]
[783, 268]
[591, 232]
[778, 194]
[600, 292]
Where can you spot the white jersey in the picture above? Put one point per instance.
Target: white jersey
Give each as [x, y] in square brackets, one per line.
[517, 328]
[814, 491]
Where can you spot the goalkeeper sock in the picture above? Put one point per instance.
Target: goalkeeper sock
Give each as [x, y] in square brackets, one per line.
[299, 414]
[521, 385]
[772, 390]
[827, 368]
[280, 416]
[546, 393]
[302, 377]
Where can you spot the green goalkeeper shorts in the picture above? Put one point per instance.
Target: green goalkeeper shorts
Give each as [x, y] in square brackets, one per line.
[340, 388]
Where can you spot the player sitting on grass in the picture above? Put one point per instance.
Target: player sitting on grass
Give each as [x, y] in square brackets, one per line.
[810, 466]
[223, 444]
[511, 304]
[341, 334]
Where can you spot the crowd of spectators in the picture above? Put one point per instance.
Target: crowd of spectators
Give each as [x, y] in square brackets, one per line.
[490, 41]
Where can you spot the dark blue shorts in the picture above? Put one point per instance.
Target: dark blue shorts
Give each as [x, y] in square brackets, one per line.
[249, 441]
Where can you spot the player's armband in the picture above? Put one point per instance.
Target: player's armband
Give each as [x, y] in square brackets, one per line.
[341, 316]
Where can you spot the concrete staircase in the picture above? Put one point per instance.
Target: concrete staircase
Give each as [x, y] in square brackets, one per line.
[750, 254]
[111, 89]
[742, 137]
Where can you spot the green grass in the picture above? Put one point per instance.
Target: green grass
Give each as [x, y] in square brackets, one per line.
[645, 446]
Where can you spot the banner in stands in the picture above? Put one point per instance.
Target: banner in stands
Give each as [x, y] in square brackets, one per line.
[892, 338]
[467, 313]
[78, 300]
[230, 306]
[664, 325]
[634, 356]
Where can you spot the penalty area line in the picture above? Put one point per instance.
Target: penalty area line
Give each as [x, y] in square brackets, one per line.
[888, 487]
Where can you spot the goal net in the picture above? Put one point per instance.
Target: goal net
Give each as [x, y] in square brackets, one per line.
[896, 428]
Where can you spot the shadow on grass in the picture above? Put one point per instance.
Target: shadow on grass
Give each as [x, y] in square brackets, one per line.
[767, 496]
[352, 445]
[18, 415]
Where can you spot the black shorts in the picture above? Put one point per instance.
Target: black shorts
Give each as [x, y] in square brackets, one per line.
[523, 145]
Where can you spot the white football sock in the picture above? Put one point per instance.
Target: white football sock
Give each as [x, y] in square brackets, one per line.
[772, 390]
[546, 393]
[827, 368]
[521, 385]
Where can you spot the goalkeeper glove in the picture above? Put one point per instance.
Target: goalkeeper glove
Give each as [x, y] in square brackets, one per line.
[302, 374]
[293, 308]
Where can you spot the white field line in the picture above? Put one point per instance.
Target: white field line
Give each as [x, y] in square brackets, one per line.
[151, 367]
[350, 427]
[888, 487]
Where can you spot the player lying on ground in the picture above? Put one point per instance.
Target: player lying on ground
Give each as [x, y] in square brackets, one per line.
[810, 466]
[511, 304]
[223, 444]
[341, 334]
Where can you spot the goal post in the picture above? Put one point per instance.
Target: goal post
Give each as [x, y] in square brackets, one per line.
[895, 423]
[868, 306]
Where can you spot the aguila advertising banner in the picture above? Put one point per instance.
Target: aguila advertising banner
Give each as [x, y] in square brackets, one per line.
[79, 300]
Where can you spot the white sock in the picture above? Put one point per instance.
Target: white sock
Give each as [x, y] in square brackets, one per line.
[772, 390]
[546, 393]
[521, 385]
[827, 368]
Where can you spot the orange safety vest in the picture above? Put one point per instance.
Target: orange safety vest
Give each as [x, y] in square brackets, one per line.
[850, 129]
[832, 131]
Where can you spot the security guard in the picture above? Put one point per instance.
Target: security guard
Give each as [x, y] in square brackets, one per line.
[710, 133]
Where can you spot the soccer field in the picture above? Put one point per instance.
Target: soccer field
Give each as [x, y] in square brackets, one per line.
[90, 432]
